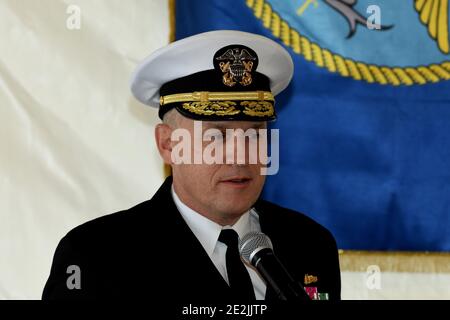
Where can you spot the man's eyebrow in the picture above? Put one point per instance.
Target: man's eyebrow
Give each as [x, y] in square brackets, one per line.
[216, 125]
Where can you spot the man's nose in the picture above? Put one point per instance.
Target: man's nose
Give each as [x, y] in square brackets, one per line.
[237, 149]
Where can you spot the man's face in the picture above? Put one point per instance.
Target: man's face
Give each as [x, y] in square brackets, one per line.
[221, 192]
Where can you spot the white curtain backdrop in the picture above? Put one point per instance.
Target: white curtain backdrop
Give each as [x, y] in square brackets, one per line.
[74, 144]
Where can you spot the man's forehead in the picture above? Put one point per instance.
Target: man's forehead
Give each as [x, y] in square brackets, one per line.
[221, 125]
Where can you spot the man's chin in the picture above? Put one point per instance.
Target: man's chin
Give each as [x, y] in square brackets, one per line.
[235, 211]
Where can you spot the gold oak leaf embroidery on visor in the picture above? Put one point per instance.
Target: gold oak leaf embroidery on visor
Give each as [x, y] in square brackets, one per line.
[227, 108]
[218, 108]
[258, 108]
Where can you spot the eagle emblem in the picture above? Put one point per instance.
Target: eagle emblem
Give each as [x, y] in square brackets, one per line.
[236, 64]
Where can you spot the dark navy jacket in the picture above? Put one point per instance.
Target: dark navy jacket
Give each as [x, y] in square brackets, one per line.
[149, 251]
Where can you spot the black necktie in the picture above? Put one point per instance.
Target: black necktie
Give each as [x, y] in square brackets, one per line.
[238, 277]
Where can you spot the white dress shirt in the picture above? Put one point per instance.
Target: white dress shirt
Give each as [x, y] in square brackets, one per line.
[207, 232]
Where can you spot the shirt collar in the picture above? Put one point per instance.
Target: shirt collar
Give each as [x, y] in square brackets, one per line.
[208, 231]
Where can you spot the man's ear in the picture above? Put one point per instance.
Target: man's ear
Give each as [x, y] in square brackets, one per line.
[163, 141]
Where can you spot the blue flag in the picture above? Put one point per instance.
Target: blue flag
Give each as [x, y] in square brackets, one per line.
[365, 124]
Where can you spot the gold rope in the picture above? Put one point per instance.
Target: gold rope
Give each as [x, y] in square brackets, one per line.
[345, 67]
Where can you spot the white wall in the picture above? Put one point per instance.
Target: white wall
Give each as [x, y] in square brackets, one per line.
[74, 144]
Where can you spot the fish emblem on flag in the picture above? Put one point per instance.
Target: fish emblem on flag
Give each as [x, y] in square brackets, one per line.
[376, 41]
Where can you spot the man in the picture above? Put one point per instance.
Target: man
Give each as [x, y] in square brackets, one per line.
[182, 244]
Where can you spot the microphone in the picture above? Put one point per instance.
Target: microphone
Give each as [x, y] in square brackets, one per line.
[256, 248]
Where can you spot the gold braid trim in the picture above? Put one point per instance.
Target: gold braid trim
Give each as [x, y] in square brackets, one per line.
[204, 96]
[345, 67]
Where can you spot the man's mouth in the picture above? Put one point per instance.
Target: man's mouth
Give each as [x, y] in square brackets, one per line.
[237, 182]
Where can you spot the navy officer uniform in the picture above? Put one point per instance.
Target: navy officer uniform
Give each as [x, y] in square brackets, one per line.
[163, 249]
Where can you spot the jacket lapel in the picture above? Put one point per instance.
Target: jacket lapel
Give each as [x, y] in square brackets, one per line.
[197, 265]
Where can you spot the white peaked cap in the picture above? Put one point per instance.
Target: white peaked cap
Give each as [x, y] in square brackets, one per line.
[194, 54]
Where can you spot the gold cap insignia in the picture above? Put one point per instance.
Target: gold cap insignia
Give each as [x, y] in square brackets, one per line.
[236, 62]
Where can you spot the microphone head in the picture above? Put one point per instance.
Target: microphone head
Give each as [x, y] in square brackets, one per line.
[253, 242]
